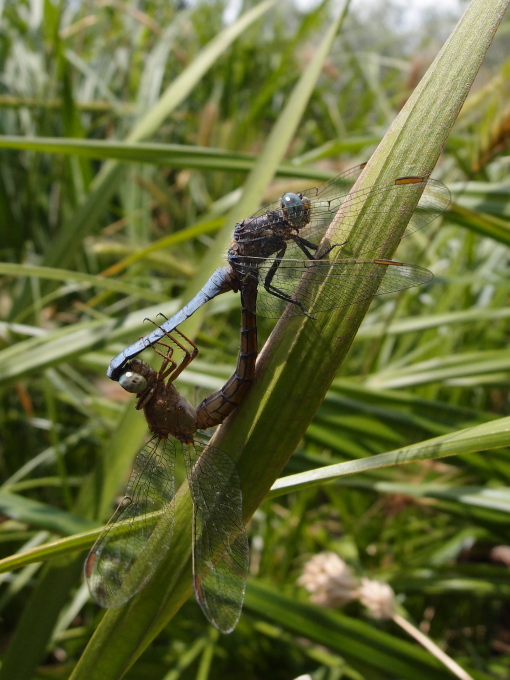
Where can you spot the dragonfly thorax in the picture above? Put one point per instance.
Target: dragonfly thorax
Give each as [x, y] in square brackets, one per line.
[169, 413]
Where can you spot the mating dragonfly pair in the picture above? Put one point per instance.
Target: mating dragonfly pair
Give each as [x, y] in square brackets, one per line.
[278, 263]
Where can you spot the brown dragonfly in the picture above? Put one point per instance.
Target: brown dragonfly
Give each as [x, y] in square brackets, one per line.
[133, 542]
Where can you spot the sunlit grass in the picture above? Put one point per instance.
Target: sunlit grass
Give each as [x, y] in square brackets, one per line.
[428, 363]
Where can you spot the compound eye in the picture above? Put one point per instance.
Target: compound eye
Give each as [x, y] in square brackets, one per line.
[292, 206]
[133, 382]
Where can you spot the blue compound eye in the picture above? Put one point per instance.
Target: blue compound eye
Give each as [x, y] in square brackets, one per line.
[133, 382]
[292, 206]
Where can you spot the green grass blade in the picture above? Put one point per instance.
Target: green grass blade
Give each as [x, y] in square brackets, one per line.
[41, 515]
[66, 275]
[299, 361]
[492, 435]
[44, 607]
[105, 183]
[366, 649]
[156, 153]
[132, 627]
[60, 575]
[268, 161]
[61, 547]
[448, 370]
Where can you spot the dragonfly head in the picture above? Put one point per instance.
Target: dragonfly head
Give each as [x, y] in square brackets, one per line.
[296, 209]
[132, 381]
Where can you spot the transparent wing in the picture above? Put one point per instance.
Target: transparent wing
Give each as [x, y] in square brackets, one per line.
[339, 186]
[331, 197]
[317, 286]
[129, 549]
[433, 199]
[220, 543]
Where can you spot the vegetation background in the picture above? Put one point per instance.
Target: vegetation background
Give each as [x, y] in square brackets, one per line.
[90, 246]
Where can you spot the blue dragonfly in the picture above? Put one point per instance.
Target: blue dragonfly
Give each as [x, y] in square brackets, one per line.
[280, 246]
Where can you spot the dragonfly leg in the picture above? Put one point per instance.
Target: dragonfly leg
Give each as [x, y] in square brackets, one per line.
[328, 250]
[275, 291]
[188, 356]
[175, 370]
[145, 396]
[168, 361]
[303, 244]
[169, 365]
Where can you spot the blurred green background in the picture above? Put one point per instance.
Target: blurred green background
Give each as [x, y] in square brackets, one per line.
[96, 236]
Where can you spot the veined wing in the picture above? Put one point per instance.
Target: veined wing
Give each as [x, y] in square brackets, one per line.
[220, 542]
[131, 545]
[320, 285]
[420, 201]
[338, 186]
[424, 199]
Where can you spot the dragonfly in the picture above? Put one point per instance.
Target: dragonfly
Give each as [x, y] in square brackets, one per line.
[140, 532]
[280, 247]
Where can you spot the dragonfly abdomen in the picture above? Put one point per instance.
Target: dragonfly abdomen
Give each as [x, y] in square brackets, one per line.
[216, 407]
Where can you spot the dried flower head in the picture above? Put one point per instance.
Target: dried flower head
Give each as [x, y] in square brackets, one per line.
[501, 554]
[329, 580]
[378, 598]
